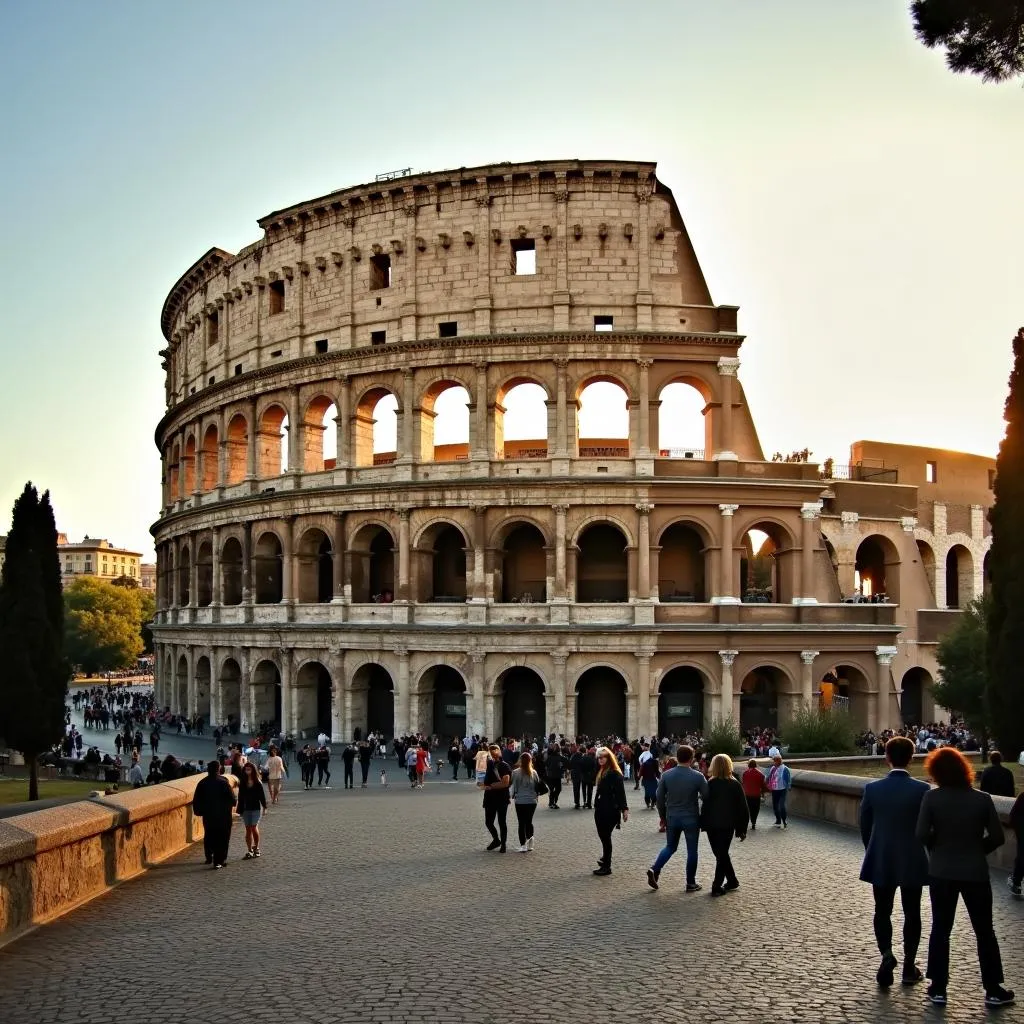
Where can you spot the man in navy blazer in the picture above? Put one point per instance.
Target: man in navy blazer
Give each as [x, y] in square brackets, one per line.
[894, 859]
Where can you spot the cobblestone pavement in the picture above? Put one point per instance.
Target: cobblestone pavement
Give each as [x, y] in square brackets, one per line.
[377, 906]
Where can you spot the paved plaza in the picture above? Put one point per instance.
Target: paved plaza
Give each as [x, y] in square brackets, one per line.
[382, 906]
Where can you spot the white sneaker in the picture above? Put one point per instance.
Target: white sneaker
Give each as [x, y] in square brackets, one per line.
[523, 848]
[529, 844]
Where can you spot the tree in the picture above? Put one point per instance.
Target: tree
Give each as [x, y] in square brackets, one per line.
[33, 671]
[103, 625]
[962, 666]
[982, 37]
[1005, 649]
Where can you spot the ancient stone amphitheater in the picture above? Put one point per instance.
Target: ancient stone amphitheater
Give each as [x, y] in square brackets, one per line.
[385, 506]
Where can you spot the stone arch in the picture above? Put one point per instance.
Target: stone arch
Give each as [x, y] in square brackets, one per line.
[440, 562]
[272, 442]
[601, 702]
[315, 567]
[174, 472]
[926, 556]
[681, 692]
[520, 404]
[684, 561]
[443, 690]
[375, 426]
[853, 689]
[602, 564]
[444, 428]
[237, 448]
[372, 558]
[203, 687]
[915, 686]
[267, 569]
[184, 576]
[986, 571]
[877, 569]
[313, 697]
[767, 570]
[230, 682]
[602, 432]
[523, 707]
[319, 434]
[523, 563]
[684, 418]
[959, 576]
[189, 481]
[231, 571]
[181, 686]
[210, 451]
[266, 697]
[373, 700]
[760, 693]
[204, 574]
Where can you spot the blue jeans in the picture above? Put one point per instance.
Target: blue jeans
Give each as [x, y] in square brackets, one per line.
[673, 831]
[779, 804]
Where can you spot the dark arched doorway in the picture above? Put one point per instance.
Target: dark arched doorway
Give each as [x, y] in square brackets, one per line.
[524, 565]
[266, 694]
[601, 703]
[915, 682]
[759, 699]
[522, 704]
[681, 702]
[449, 703]
[602, 573]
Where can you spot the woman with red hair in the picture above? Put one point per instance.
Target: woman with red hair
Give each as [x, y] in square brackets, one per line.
[960, 827]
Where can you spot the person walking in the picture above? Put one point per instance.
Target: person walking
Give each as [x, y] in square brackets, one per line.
[252, 802]
[276, 771]
[554, 769]
[575, 766]
[365, 755]
[779, 781]
[526, 788]
[649, 773]
[894, 859]
[960, 826]
[348, 759]
[679, 792]
[997, 779]
[214, 802]
[307, 765]
[422, 763]
[496, 782]
[455, 757]
[754, 786]
[610, 807]
[1017, 824]
[723, 815]
[588, 776]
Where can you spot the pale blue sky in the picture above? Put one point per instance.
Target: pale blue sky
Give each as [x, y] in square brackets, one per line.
[861, 204]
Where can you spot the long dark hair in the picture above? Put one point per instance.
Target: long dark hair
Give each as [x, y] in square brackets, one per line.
[255, 774]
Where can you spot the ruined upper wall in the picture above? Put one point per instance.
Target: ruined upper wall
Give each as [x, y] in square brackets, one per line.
[395, 260]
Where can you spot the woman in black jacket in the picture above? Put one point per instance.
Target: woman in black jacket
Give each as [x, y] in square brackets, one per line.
[723, 815]
[610, 807]
[252, 802]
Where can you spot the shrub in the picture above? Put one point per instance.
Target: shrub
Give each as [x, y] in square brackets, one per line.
[820, 730]
[723, 738]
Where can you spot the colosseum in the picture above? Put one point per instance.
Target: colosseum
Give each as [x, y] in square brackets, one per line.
[426, 468]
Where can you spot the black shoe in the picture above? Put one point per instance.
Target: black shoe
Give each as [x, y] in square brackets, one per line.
[652, 878]
[576, 807]
[999, 996]
[501, 848]
[717, 892]
[937, 995]
[884, 975]
[494, 844]
[912, 975]
[209, 860]
[694, 887]
[731, 886]
[603, 871]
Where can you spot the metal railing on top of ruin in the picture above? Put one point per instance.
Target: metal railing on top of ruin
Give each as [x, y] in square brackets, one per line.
[867, 474]
[402, 172]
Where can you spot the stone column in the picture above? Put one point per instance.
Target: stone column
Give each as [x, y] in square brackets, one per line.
[407, 439]
[250, 441]
[342, 426]
[247, 595]
[346, 726]
[878, 712]
[338, 560]
[193, 571]
[479, 587]
[561, 409]
[192, 698]
[565, 701]
[561, 296]
[644, 412]
[643, 586]
[643, 693]
[726, 583]
[288, 561]
[218, 583]
[807, 688]
[296, 432]
[728, 706]
[222, 452]
[174, 551]
[644, 296]
[810, 530]
[723, 437]
[480, 444]
[403, 555]
[289, 718]
[476, 696]
[561, 595]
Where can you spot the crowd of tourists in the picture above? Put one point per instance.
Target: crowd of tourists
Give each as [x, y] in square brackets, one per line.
[925, 737]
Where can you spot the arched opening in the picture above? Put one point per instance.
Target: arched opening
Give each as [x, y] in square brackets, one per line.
[203, 688]
[173, 474]
[877, 570]
[926, 556]
[238, 445]
[524, 565]
[209, 459]
[449, 700]
[231, 571]
[316, 568]
[602, 569]
[444, 423]
[313, 695]
[190, 466]
[185, 577]
[267, 570]
[852, 689]
[916, 682]
[181, 687]
[375, 428]
[373, 565]
[601, 703]
[266, 699]
[759, 699]
[521, 421]
[986, 573]
[681, 702]
[442, 564]
[320, 435]
[522, 704]
[766, 565]
[204, 574]
[374, 700]
[682, 565]
[602, 421]
[959, 577]
[230, 693]
[684, 426]
[272, 443]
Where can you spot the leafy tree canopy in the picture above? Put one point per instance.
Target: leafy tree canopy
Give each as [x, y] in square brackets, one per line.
[961, 655]
[981, 37]
[103, 624]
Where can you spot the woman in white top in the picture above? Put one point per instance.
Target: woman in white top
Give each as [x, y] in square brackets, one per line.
[525, 785]
[276, 771]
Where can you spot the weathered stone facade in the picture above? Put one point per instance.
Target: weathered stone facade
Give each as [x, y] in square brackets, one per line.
[563, 583]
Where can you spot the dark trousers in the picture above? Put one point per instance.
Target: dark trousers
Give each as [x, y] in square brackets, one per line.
[525, 812]
[1018, 864]
[605, 827]
[753, 809]
[554, 788]
[470, 767]
[499, 812]
[779, 804]
[910, 897]
[323, 774]
[216, 837]
[455, 771]
[364, 767]
[588, 793]
[348, 775]
[576, 790]
[977, 898]
[720, 840]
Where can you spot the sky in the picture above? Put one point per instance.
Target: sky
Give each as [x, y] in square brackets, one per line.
[861, 204]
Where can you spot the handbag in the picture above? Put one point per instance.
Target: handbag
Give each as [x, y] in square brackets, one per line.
[539, 785]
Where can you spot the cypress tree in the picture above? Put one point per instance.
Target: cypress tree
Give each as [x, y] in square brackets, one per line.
[33, 671]
[1005, 651]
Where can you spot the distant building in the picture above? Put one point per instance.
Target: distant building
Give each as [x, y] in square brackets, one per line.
[97, 557]
[147, 576]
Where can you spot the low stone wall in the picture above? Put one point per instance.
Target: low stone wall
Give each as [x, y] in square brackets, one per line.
[826, 796]
[53, 860]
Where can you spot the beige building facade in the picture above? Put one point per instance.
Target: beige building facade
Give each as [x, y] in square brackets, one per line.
[330, 556]
[94, 556]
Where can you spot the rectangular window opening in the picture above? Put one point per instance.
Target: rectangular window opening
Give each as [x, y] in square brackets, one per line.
[238, 369]
[931, 473]
[378, 337]
[524, 257]
[276, 297]
[212, 380]
[448, 329]
[603, 323]
[380, 272]
[321, 345]
[991, 479]
[276, 354]
[214, 333]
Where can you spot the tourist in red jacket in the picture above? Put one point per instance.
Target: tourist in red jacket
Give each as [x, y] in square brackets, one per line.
[754, 786]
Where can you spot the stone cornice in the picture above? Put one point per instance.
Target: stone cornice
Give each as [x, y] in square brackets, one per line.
[188, 282]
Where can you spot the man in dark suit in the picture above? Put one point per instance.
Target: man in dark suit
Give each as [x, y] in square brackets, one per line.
[894, 858]
[997, 779]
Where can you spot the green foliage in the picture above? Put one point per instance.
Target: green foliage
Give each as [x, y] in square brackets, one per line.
[33, 672]
[962, 666]
[1005, 623]
[982, 37]
[103, 624]
[723, 738]
[820, 730]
